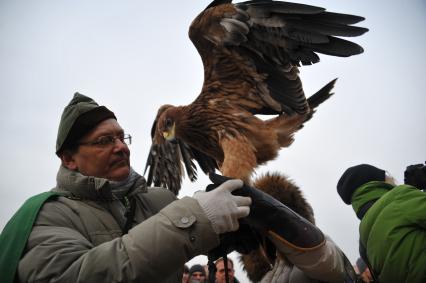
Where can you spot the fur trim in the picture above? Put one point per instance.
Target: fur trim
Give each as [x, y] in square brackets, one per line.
[256, 263]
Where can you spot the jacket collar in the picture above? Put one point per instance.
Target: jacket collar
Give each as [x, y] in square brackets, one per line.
[368, 194]
[75, 185]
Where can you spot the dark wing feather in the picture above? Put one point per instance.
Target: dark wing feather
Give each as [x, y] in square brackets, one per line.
[165, 159]
[258, 45]
[206, 163]
[164, 165]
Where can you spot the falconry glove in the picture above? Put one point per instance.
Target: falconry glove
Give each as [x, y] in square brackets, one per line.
[222, 208]
[274, 219]
[244, 240]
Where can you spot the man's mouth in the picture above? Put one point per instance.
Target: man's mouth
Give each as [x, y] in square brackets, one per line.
[120, 162]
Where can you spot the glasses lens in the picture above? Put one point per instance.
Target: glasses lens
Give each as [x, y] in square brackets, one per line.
[127, 139]
[109, 140]
[106, 140]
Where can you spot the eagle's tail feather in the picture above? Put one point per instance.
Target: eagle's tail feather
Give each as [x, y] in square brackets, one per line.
[286, 125]
[319, 97]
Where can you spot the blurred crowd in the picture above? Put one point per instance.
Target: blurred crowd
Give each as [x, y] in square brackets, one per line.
[198, 273]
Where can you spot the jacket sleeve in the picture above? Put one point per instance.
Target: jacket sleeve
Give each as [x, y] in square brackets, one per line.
[413, 203]
[59, 251]
[325, 263]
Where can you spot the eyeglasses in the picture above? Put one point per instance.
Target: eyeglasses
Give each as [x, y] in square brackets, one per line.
[109, 140]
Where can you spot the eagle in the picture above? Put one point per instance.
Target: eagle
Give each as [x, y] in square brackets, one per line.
[251, 53]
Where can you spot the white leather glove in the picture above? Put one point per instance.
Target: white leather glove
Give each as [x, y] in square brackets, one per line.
[222, 208]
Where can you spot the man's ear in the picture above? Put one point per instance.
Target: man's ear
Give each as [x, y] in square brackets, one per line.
[68, 161]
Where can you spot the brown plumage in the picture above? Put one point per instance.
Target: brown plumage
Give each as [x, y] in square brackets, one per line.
[251, 52]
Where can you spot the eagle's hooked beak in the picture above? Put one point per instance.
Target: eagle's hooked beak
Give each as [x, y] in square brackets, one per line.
[169, 135]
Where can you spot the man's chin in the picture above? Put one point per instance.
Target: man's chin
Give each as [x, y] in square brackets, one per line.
[120, 174]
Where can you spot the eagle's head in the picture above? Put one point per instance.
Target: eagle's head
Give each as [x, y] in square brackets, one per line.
[167, 122]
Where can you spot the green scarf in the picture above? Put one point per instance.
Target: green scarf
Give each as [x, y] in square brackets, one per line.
[15, 234]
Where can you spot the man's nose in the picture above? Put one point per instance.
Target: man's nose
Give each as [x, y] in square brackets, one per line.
[121, 146]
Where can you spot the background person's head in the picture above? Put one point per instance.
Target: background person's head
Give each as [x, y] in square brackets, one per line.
[197, 274]
[220, 271]
[356, 176]
[91, 141]
[185, 275]
[415, 175]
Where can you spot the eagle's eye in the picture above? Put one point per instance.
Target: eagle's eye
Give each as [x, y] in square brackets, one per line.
[169, 123]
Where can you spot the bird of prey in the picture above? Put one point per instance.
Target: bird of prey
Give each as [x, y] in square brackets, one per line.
[251, 52]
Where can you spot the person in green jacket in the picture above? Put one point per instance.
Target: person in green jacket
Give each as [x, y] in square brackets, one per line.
[393, 223]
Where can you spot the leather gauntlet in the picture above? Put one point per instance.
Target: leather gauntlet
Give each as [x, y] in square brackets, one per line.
[283, 226]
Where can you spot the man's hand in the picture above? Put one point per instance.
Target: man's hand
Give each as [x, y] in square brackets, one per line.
[222, 208]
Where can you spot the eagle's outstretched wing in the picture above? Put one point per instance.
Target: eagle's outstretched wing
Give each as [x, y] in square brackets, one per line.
[251, 51]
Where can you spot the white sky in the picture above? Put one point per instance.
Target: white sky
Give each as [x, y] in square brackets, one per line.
[134, 56]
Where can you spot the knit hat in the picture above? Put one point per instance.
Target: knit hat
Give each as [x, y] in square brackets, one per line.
[197, 268]
[80, 116]
[356, 176]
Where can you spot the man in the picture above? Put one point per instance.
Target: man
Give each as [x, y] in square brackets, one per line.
[185, 275]
[197, 274]
[393, 223]
[105, 225]
[220, 271]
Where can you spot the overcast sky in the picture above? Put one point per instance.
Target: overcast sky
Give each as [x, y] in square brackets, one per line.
[134, 56]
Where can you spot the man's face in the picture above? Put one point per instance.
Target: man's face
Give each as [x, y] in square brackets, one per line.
[197, 277]
[185, 277]
[111, 161]
[220, 272]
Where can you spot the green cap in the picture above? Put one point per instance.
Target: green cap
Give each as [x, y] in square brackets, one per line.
[80, 116]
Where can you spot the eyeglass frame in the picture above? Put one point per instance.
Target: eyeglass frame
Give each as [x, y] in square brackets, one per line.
[124, 138]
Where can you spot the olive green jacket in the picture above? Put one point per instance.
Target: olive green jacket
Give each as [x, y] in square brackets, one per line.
[78, 237]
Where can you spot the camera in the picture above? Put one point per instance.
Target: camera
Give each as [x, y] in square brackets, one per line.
[415, 175]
